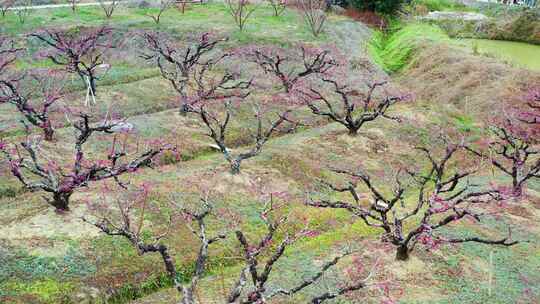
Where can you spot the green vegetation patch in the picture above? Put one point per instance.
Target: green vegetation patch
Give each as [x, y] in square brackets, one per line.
[49, 279]
[393, 51]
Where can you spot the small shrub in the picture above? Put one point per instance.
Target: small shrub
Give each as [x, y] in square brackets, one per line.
[170, 157]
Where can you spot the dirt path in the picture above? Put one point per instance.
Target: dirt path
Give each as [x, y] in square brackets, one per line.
[17, 8]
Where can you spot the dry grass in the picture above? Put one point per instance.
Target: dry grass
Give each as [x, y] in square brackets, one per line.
[475, 85]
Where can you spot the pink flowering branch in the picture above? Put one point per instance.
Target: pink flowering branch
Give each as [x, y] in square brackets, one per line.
[81, 52]
[513, 152]
[291, 69]
[353, 109]
[214, 97]
[38, 174]
[257, 272]
[13, 91]
[128, 224]
[176, 63]
[531, 116]
[443, 198]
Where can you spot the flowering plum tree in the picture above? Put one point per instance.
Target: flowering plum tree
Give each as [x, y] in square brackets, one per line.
[512, 152]
[268, 245]
[128, 218]
[39, 173]
[291, 68]
[176, 62]
[129, 224]
[14, 91]
[215, 97]
[443, 196]
[79, 51]
[353, 109]
[513, 149]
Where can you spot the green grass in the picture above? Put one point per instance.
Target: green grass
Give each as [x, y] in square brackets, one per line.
[261, 28]
[49, 279]
[512, 271]
[393, 51]
[46, 290]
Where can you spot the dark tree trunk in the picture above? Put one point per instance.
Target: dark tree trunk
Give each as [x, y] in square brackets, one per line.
[187, 296]
[61, 201]
[402, 253]
[48, 132]
[353, 131]
[168, 261]
[184, 109]
[516, 185]
[235, 166]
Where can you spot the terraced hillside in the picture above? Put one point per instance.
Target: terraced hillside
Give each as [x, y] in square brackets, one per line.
[51, 257]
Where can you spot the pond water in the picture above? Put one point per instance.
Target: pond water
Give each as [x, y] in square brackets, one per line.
[521, 54]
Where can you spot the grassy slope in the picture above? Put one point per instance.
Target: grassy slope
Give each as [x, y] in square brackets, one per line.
[393, 52]
[55, 257]
[215, 18]
[46, 244]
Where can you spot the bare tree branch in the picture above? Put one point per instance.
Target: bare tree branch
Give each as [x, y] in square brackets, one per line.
[442, 198]
[80, 53]
[51, 177]
[353, 111]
